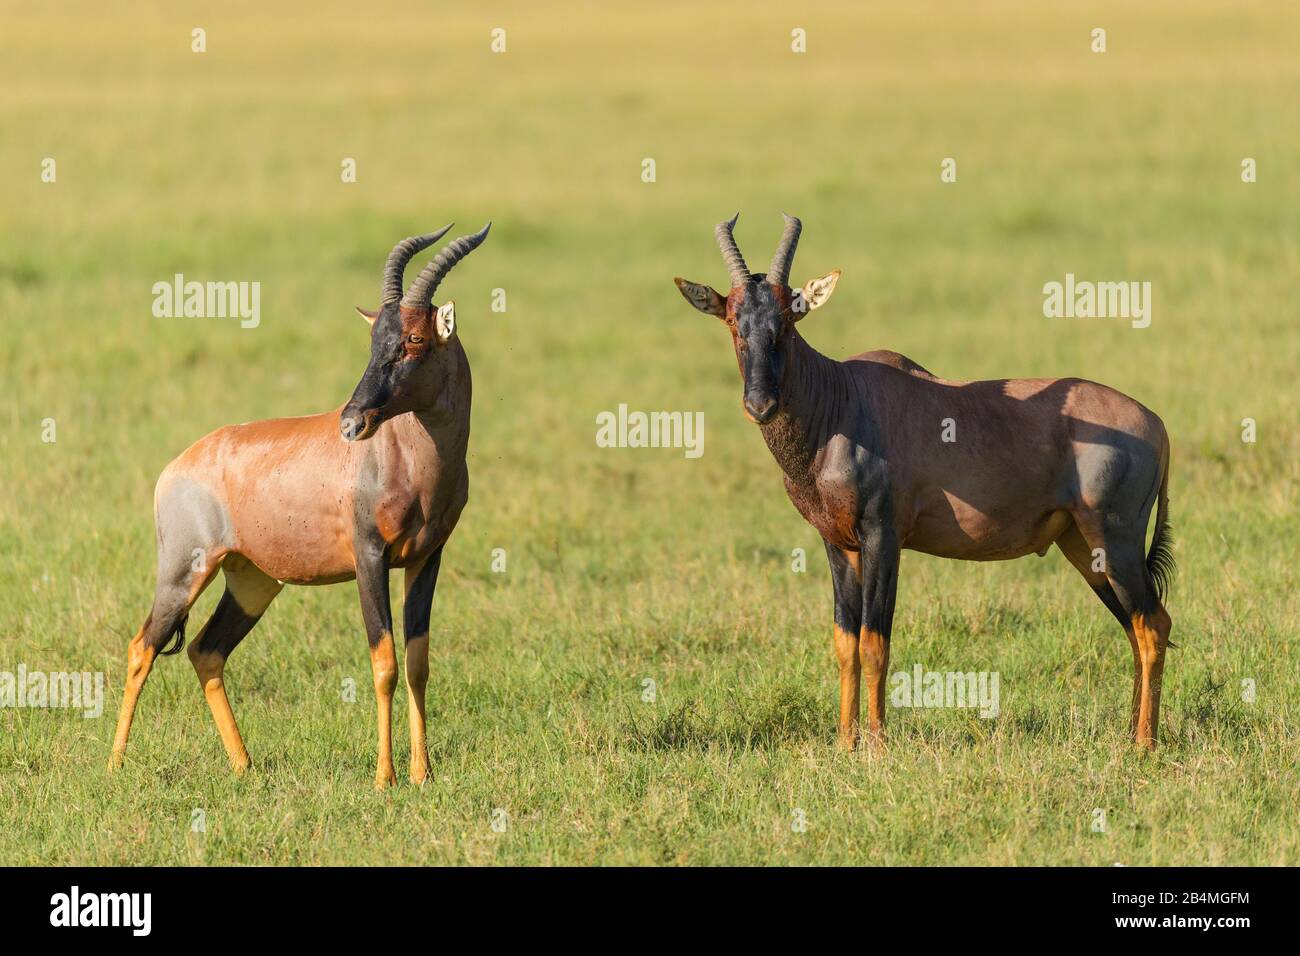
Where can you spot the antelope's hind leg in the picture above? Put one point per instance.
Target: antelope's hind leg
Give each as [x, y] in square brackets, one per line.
[1078, 553]
[1148, 624]
[420, 585]
[181, 579]
[248, 594]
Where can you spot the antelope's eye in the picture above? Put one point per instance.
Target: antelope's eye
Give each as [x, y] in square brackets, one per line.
[416, 339]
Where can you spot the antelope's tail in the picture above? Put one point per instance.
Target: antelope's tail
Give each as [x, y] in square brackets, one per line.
[176, 639]
[1160, 558]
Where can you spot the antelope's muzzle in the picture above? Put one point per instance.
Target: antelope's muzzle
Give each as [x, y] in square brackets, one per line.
[760, 409]
[357, 426]
[364, 412]
[762, 373]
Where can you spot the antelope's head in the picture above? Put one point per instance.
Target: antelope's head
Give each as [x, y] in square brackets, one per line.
[409, 338]
[760, 311]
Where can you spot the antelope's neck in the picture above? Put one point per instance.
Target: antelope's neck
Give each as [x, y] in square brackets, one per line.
[814, 392]
[446, 419]
[441, 429]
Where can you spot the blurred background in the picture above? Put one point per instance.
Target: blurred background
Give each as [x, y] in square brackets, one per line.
[627, 564]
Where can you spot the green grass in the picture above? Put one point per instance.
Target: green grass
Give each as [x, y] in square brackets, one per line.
[628, 564]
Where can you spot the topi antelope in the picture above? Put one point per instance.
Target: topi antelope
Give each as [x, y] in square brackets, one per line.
[376, 484]
[1034, 462]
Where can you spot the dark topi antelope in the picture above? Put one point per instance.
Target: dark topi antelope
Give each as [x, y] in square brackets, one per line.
[376, 484]
[1034, 462]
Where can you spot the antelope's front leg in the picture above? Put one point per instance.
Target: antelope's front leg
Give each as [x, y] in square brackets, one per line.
[420, 584]
[879, 564]
[372, 583]
[848, 616]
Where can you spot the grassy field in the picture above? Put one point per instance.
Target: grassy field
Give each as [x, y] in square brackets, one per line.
[627, 564]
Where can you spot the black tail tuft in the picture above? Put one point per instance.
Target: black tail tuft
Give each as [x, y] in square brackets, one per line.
[1161, 566]
[177, 637]
[1160, 559]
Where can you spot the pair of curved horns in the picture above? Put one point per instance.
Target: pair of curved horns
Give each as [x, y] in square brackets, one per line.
[779, 272]
[420, 294]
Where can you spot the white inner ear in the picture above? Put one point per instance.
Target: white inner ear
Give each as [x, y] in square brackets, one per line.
[446, 322]
[818, 291]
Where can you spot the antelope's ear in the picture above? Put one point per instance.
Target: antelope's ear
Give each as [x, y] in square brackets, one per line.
[367, 315]
[703, 298]
[815, 293]
[446, 320]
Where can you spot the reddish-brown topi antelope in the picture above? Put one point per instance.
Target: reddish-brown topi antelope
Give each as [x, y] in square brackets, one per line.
[1031, 462]
[376, 484]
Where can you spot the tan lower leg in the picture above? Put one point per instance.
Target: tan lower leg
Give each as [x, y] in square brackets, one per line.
[1152, 634]
[383, 666]
[139, 661]
[873, 649]
[1136, 701]
[211, 668]
[846, 652]
[417, 678]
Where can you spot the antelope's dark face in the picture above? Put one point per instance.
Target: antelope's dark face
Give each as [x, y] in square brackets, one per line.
[407, 369]
[411, 340]
[760, 311]
[760, 318]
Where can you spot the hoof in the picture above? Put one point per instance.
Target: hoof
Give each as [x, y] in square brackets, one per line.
[240, 765]
[115, 761]
[385, 780]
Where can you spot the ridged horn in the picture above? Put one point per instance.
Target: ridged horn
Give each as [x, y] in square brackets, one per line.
[421, 291]
[779, 273]
[731, 252]
[400, 256]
